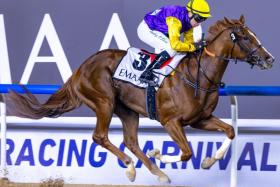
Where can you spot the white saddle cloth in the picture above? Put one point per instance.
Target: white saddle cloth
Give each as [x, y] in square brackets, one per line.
[136, 61]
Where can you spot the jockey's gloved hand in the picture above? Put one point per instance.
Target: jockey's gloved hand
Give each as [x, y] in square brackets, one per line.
[200, 45]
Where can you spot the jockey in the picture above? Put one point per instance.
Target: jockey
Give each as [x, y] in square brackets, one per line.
[162, 29]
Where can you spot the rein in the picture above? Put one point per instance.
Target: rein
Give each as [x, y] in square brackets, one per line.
[196, 85]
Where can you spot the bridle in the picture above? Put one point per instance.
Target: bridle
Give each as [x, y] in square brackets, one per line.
[251, 57]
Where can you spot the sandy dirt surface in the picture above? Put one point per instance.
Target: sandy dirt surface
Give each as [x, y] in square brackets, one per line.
[60, 183]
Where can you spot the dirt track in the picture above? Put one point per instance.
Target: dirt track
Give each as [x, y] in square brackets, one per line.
[71, 185]
[60, 183]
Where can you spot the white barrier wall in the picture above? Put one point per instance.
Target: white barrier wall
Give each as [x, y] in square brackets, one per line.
[34, 155]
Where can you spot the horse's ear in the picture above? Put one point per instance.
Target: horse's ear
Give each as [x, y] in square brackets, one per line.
[228, 21]
[242, 19]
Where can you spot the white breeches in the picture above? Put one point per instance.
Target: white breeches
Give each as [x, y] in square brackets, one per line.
[159, 41]
[154, 39]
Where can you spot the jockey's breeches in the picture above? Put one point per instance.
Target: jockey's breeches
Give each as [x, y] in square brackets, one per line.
[155, 39]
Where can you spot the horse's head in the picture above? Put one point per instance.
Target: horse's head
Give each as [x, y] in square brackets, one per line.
[239, 42]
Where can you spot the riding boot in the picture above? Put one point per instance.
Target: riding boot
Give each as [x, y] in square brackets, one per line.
[147, 76]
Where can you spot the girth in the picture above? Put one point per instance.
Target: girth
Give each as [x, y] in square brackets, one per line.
[151, 102]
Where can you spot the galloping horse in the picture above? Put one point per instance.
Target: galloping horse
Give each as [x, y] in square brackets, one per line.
[93, 85]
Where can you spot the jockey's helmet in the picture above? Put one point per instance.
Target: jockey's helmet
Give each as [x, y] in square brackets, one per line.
[200, 7]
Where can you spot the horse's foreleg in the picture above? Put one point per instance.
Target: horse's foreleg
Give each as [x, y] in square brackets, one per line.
[177, 133]
[130, 121]
[215, 124]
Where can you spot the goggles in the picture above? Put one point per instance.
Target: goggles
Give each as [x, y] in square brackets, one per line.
[198, 18]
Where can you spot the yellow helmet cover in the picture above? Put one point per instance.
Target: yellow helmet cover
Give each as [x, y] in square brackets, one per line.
[200, 7]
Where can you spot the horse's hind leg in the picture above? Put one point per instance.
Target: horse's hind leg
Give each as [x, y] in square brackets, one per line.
[215, 124]
[103, 108]
[130, 121]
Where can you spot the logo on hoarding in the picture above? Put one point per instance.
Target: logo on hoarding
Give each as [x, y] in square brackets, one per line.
[47, 32]
[85, 152]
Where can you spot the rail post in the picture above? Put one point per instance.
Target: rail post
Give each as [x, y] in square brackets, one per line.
[3, 172]
[234, 118]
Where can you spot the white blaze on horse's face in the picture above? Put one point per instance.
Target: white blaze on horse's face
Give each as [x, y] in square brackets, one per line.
[251, 47]
[253, 35]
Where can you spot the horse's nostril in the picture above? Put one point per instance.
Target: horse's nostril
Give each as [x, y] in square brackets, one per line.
[270, 60]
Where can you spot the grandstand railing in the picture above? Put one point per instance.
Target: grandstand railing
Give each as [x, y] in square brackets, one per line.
[231, 91]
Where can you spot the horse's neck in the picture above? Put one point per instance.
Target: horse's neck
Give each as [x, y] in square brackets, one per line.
[213, 68]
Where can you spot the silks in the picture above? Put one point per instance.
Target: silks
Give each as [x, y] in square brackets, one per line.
[174, 27]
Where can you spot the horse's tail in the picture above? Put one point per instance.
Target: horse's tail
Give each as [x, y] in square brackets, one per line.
[28, 106]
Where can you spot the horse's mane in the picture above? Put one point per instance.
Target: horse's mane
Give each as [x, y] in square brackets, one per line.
[222, 24]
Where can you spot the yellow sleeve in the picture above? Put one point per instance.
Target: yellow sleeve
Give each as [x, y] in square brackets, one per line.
[188, 36]
[174, 28]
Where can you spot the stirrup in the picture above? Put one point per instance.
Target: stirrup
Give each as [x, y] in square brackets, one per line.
[146, 76]
[151, 82]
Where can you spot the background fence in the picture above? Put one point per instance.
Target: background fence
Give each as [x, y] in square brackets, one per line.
[65, 122]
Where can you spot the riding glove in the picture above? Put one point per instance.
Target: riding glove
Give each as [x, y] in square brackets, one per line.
[200, 45]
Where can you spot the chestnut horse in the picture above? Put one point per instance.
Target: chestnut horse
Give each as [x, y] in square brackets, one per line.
[92, 84]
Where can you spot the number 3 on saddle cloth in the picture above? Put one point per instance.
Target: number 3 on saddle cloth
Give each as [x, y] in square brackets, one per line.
[134, 63]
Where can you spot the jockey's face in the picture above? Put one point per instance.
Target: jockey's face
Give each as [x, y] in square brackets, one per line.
[195, 20]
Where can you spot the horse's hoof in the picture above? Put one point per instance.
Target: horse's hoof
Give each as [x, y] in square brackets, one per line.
[164, 179]
[131, 175]
[130, 172]
[153, 153]
[208, 162]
